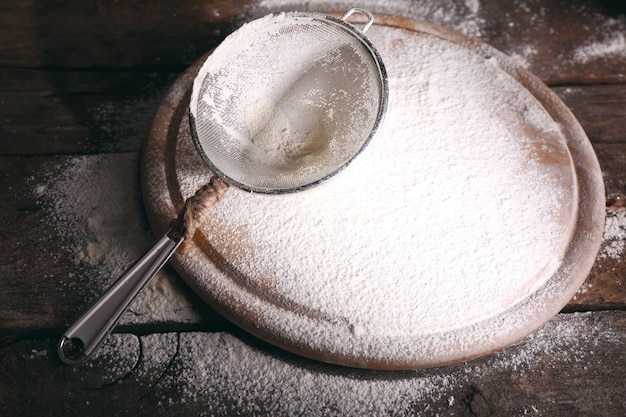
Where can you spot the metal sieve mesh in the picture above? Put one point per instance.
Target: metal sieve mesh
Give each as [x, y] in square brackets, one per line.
[287, 101]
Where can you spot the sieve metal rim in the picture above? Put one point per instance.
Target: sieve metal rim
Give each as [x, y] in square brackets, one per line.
[382, 108]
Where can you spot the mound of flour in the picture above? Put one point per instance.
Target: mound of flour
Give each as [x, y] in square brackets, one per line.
[457, 211]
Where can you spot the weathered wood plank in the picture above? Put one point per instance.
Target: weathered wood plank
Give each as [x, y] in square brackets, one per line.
[600, 109]
[68, 112]
[70, 226]
[84, 78]
[605, 286]
[79, 34]
[612, 159]
[574, 366]
[561, 41]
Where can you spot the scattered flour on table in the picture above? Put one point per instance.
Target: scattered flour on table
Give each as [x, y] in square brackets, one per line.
[473, 5]
[606, 39]
[614, 238]
[611, 47]
[605, 33]
[524, 56]
[221, 374]
[123, 122]
[96, 208]
[119, 355]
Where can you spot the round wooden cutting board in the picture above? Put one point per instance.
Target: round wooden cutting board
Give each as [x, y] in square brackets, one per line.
[354, 272]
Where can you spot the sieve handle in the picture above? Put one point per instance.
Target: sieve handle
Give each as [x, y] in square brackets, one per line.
[86, 334]
[370, 17]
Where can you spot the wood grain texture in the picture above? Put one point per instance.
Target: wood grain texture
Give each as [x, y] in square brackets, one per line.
[605, 287]
[72, 112]
[94, 34]
[562, 370]
[81, 79]
[600, 109]
[49, 275]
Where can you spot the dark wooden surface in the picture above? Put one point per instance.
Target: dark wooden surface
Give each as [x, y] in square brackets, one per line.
[79, 83]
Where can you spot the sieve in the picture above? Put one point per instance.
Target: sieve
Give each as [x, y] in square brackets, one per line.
[281, 105]
[288, 101]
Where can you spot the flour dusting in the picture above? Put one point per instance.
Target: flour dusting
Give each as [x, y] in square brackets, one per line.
[611, 47]
[96, 208]
[352, 267]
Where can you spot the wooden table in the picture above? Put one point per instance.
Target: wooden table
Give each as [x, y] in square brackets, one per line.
[79, 84]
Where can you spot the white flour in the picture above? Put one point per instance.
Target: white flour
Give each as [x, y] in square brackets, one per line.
[473, 5]
[449, 217]
[280, 142]
[614, 46]
[225, 373]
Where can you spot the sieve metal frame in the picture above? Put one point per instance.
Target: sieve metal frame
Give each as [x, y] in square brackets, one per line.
[382, 108]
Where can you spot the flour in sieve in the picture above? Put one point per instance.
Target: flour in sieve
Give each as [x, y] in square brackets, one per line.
[276, 140]
[285, 101]
[449, 217]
